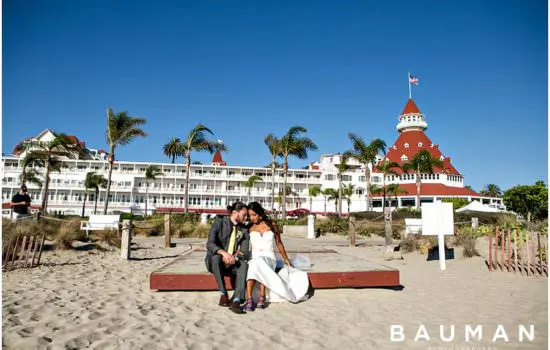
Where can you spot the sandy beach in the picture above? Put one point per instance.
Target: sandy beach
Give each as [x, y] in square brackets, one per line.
[92, 299]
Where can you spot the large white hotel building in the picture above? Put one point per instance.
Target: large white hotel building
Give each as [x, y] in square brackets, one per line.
[213, 186]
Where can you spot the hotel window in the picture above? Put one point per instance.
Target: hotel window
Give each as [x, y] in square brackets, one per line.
[346, 177]
[329, 177]
[404, 158]
[406, 145]
[362, 178]
[420, 144]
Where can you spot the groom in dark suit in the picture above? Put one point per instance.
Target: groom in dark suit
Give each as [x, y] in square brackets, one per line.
[227, 252]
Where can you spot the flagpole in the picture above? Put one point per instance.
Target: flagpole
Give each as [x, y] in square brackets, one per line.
[409, 80]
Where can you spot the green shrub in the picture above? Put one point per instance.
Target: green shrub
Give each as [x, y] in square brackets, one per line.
[469, 249]
[109, 237]
[333, 224]
[409, 244]
[184, 229]
[201, 231]
[457, 202]
[68, 232]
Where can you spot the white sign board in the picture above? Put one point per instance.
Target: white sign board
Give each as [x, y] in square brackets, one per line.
[437, 218]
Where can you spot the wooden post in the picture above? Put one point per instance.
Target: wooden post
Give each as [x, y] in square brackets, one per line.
[36, 244]
[40, 248]
[515, 252]
[540, 254]
[14, 252]
[546, 250]
[496, 248]
[125, 244]
[388, 226]
[490, 252]
[6, 251]
[509, 246]
[533, 262]
[351, 229]
[167, 243]
[22, 251]
[528, 257]
[503, 243]
[27, 254]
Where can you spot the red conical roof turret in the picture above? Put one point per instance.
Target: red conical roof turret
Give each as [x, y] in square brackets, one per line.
[217, 160]
[410, 108]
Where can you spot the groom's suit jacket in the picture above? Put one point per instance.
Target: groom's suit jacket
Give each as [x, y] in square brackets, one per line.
[219, 236]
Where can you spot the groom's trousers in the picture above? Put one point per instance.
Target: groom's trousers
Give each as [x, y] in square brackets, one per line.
[237, 274]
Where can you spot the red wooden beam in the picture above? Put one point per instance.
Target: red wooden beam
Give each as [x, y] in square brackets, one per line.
[205, 281]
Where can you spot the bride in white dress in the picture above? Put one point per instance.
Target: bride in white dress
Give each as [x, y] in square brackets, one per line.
[289, 284]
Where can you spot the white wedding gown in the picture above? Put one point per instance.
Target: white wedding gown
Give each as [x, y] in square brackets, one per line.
[289, 284]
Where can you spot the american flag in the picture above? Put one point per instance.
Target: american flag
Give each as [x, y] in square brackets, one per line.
[413, 80]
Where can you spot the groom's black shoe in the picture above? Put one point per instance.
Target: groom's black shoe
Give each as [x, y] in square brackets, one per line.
[236, 308]
[224, 301]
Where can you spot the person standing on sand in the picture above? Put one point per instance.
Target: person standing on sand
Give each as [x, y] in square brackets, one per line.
[20, 204]
[227, 252]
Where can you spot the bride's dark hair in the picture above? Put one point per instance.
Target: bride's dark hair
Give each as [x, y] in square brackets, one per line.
[258, 209]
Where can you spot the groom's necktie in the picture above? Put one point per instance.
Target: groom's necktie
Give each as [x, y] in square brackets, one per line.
[232, 240]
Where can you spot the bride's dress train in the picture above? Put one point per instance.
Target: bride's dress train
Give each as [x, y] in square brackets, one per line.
[289, 284]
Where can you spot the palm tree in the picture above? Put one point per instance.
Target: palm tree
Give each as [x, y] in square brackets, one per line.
[387, 168]
[422, 162]
[173, 149]
[94, 181]
[30, 175]
[280, 195]
[250, 184]
[347, 192]
[274, 145]
[491, 190]
[313, 191]
[121, 130]
[50, 153]
[396, 190]
[293, 144]
[151, 173]
[332, 195]
[342, 167]
[366, 155]
[197, 141]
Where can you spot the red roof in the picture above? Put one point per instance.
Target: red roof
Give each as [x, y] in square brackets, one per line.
[73, 139]
[429, 189]
[417, 141]
[410, 108]
[218, 159]
[191, 210]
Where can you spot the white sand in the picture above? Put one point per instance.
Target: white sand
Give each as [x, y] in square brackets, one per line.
[81, 300]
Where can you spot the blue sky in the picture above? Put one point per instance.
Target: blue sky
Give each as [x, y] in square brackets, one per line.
[248, 68]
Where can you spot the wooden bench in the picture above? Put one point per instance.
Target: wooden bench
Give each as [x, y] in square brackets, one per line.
[101, 222]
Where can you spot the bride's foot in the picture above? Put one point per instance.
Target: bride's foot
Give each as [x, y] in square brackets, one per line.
[249, 305]
[261, 303]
